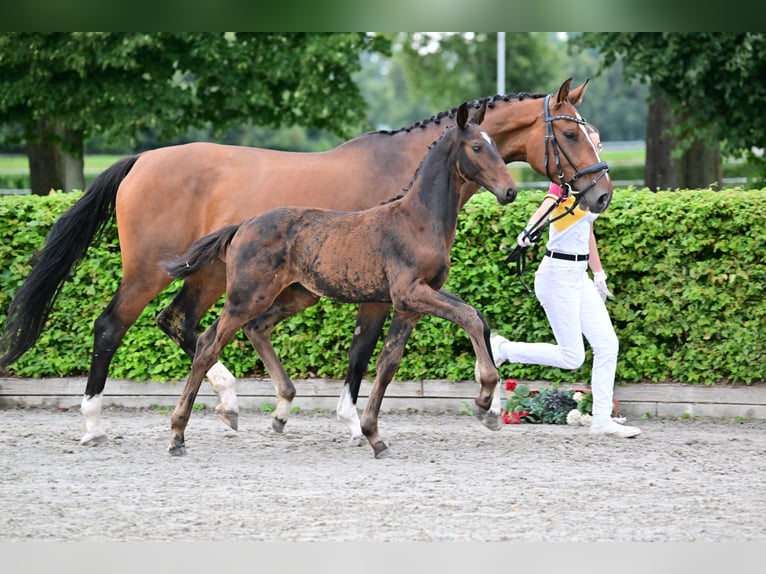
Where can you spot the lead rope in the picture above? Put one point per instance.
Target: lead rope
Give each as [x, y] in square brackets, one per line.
[519, 254]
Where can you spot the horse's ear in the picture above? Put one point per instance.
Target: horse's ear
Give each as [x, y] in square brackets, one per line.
[575, 95]
[563, 91]
[462, 115]
[478, 115]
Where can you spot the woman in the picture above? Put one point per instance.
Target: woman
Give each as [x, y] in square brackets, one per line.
[574, 304]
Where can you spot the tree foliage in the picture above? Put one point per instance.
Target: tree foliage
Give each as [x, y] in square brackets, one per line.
[125, 82]
[64, 87]
[713, 81]
[446, 69]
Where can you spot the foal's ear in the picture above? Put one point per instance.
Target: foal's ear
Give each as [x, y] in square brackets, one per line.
[478, 115]
[462, 115]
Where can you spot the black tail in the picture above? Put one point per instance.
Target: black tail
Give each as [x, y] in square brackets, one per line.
[202, 252]
[65, 247]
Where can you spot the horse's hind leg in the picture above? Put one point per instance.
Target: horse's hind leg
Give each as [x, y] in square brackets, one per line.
[108, 331]
[290, 302]
[369, 326]
[180, 321]
[390, 357]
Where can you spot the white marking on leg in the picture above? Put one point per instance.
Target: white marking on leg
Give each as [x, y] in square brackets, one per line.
[347, 413]
[224, 385]
[496, 405]
[282, 411]
[90, 407]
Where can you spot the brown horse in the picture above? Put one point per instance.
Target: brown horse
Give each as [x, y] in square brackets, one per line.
[397, 253]
[167, 198]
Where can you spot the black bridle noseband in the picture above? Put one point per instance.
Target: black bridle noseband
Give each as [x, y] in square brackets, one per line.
[518, 254]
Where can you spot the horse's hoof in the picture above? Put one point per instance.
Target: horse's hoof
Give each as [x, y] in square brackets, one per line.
[179, 450]
[228, 416]
[381, 450]
[278, 425]
[93, 438]
[356, 440]
[488, 418]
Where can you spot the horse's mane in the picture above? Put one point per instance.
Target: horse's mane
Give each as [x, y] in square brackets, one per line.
[437, 118]
[408, 187]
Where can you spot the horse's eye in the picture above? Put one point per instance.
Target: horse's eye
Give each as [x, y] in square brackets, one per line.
[571, 136]
[476, 148]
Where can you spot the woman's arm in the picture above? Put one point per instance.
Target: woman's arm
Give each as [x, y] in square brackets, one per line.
[594, 261]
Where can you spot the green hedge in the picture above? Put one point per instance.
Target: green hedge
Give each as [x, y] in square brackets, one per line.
[687, 270]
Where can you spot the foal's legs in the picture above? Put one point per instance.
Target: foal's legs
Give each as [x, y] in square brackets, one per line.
[209, 347]
[369, 326]
[388, 362]
[180, 321]
[424, 300]
[290, 302]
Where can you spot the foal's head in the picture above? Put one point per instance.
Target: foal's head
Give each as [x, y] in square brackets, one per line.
[478, 159]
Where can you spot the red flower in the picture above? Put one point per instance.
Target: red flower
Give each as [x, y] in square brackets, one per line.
[511, 418]
[510, 385]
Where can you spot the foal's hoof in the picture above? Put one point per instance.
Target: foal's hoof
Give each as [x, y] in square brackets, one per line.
[93, 438]
[177, 450]
[228, 416]
[278, 425]
[177, 446]
[381, 450]
[488, 418]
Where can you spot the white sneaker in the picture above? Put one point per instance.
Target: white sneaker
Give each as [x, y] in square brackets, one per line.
[613, 429]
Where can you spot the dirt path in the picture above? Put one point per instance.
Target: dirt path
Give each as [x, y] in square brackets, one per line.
[451, 479]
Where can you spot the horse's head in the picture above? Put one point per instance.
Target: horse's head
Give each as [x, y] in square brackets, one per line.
[478, 159]
[569, 156]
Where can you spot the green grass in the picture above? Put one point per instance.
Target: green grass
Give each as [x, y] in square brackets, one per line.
[20, 164]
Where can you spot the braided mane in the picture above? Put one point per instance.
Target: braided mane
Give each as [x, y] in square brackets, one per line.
[436, 119]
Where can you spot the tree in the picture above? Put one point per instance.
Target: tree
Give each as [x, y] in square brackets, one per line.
[706, 91]
[56, 89]
[446, 69]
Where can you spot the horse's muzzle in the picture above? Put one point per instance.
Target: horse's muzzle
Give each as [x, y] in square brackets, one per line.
[510, 196]
[602, 202]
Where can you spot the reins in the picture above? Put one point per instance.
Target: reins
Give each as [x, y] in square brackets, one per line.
[518, 253]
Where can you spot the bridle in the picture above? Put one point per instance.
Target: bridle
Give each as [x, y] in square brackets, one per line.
[518, 254]
[600, 167]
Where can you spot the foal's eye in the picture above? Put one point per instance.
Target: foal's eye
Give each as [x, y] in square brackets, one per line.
[476, 148]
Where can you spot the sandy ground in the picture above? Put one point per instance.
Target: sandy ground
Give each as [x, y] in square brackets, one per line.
[450, 480]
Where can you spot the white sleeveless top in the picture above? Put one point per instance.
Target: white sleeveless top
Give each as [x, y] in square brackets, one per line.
[571, 233]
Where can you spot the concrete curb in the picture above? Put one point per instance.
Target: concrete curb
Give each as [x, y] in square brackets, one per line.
[635, 400]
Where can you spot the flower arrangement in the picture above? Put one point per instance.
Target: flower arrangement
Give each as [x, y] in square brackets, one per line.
[548, 406]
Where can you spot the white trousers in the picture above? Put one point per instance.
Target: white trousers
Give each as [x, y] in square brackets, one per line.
[574, 308]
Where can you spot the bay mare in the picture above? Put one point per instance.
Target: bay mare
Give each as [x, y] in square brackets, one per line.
[397, 253]
[165, 199]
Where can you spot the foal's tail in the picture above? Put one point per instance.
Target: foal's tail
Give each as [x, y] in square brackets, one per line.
[202, 252]
[65, 246]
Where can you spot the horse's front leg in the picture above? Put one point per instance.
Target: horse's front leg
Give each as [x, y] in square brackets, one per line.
[388, 362]
[290, 302]
[369, 326]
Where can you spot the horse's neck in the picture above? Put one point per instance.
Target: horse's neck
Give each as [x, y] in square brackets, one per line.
[434, 195]
[508, 124]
